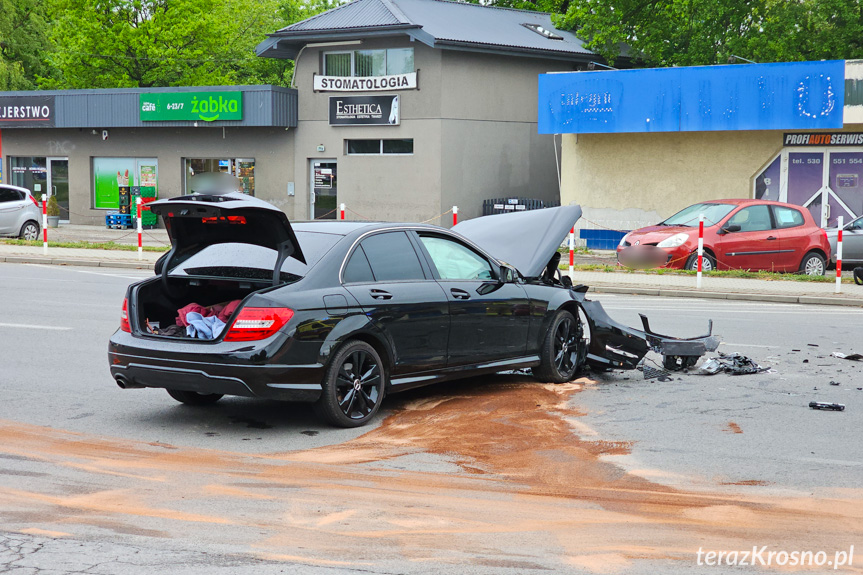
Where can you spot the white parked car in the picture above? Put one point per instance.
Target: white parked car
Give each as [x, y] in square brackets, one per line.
[20, 213]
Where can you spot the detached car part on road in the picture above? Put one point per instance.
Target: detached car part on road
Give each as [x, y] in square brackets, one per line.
[343, 313]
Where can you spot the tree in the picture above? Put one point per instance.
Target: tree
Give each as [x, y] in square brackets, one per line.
[22, 44]
[128, 43]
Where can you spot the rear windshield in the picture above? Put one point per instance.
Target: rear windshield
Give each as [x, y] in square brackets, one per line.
[713, 213]
[246, 261]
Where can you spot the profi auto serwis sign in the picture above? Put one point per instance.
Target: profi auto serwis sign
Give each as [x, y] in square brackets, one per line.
[191, 106]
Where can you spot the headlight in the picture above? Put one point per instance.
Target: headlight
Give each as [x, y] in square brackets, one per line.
[622, 241]
[674, 241]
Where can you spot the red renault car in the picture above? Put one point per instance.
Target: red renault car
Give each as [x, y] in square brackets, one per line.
[738, 234]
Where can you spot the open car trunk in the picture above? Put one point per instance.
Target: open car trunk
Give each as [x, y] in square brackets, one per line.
[223, 249]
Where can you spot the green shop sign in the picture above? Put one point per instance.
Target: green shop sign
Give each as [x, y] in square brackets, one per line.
[191, 106]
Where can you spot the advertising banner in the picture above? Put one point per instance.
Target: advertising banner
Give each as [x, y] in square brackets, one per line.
[824, 139]
[191, 106]
[365, 84]
[27, 111]
[364, 110]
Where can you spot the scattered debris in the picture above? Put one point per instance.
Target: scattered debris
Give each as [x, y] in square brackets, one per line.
[858, 276]
[851, 356]
[805, 361]
[834, 383]
[827, 406]
[732, 363]
[812, 344]
[795, 350]
[653, 372]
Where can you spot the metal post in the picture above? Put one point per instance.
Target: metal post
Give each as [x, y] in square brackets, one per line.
[454, 215]
[839, 222]
[45, 224]
[342, 212]
[700, 250]
[571, 249]
[140, 229]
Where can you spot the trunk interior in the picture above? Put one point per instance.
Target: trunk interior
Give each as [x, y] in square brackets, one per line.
[159, 306]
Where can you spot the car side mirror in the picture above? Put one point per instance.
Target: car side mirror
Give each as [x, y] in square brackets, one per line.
[730, 228]
[507, 275]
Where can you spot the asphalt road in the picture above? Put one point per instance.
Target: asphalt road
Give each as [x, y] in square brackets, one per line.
[97, 479]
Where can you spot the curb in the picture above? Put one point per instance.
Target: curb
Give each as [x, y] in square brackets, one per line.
[765, 297]
[142, 265]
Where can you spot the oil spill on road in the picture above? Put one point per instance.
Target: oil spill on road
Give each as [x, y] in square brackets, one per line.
[492, 471]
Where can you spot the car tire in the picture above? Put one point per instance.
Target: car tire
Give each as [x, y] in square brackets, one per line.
[560, 351]
[29, 231]
[708, 263]
[813, 264]
[353, 386]
[193, 397]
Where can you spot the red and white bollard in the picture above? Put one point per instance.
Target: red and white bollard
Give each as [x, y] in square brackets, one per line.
[454, 215]
[700, 250]
[839, 222]
[45, 224]
[571, 249]
[342, 212]
[140, 230]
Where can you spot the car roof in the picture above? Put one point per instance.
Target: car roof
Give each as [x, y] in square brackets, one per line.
[747, 201]
[344, 227]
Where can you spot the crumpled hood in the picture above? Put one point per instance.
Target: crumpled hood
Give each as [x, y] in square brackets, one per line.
[525, 240]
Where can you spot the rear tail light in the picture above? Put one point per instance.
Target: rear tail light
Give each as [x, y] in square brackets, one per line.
[124, 317]
[255, 323]
[34, 200]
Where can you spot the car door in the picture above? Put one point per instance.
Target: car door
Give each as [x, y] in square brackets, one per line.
[11, 204]
[852, 241]
[385, 275]
[489, 320]
[753, 243]
[794, 239]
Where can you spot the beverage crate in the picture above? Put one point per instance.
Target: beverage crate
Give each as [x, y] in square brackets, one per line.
[148, 192]
[118, 221]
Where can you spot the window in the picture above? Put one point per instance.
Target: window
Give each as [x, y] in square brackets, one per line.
[455, 261]
[713, 213]
[10, 195]
[28, 172]
[403, 147]
[242, 168]
[369, 62]
[111, 173]
[392, 257]
[752, 219]
[787, 217]
[358, 268]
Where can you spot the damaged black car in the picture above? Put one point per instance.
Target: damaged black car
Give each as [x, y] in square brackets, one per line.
[340, 314]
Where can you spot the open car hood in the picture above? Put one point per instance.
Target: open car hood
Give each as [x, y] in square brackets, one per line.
[526, 240]
[200, 220]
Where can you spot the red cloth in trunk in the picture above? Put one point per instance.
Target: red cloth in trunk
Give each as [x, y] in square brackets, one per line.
[223, 310]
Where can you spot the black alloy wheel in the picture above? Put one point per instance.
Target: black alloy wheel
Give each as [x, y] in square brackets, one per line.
[193, 397]
[353, 387]
[561, 349]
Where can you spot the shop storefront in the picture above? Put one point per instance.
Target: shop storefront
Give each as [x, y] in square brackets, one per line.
[788, 131]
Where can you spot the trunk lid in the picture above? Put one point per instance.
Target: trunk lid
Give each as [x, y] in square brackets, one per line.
[525, 240]
[200, 220]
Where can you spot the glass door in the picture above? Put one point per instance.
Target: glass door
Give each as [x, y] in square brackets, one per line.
[323, 197]
[58, 184]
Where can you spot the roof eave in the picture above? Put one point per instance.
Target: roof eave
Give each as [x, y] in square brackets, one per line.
[585, 56]
[288, 44]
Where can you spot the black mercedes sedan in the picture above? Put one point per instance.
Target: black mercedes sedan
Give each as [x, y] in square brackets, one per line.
[340, 314]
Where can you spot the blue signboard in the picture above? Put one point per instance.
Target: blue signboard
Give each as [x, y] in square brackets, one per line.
[782, 96]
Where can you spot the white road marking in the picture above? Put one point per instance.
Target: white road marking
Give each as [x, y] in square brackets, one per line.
[31, 326]
[68, 269]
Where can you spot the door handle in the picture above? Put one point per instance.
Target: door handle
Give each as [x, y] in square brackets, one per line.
[380, 294]
[772, 238]
[459, 293]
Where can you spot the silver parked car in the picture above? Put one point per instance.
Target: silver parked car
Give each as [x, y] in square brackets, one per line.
[852, 242]
[20, 213]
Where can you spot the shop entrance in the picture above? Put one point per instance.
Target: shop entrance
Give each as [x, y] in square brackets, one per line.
[58, 184]
[324, 185]
[43, 175]
[827, 181]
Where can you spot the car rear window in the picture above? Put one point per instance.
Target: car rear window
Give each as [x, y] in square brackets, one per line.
[787, 217]
[713, 214]
[247, 261]
[10, 195]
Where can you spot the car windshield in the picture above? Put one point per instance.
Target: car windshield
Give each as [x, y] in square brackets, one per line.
[713, 213]
[247, 261]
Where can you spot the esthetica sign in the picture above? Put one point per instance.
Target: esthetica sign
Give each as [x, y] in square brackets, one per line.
[191, 106]
[365, 84]
[364, 110]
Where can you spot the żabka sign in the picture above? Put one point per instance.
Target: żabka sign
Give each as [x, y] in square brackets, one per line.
[27, 111]
[365, 84]
[190, 106]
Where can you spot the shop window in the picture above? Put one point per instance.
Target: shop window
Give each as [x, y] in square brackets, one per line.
[29, 172]
[369, 62]
[402, 147]
[242, 168]
[111, 173]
